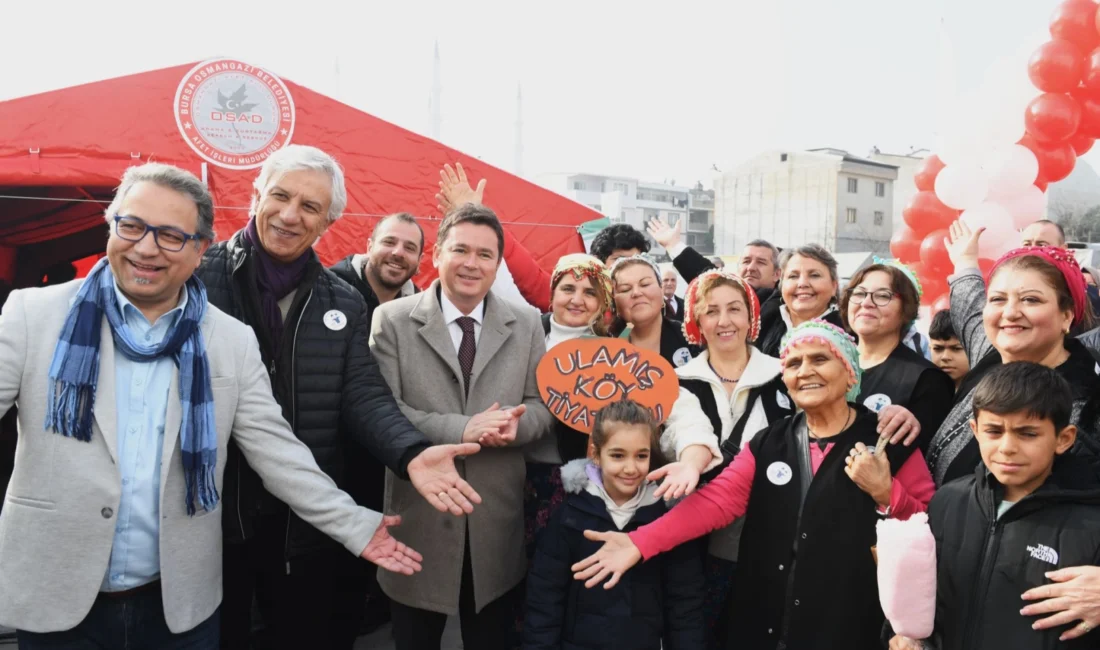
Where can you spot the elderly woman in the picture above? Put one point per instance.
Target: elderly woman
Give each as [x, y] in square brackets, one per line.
[818, 483]
[728, 393]
[879, 306]
[807, 291]
[639, 303]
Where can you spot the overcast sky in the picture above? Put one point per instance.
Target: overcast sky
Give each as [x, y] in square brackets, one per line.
[656, 90]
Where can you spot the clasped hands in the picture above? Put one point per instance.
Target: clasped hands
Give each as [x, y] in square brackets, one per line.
[495, 426]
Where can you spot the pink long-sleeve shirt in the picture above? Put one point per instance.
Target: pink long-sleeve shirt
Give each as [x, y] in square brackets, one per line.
[727, 498]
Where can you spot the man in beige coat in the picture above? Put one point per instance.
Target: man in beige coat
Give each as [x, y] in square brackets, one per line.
[452, 356]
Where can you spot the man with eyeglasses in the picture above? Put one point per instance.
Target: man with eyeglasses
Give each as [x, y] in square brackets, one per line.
[130, 387]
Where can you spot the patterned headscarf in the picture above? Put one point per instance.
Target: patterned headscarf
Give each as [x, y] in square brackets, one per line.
[904, 268]
[842, 345]
[1067, 265]
[580, 265]
[692, 332]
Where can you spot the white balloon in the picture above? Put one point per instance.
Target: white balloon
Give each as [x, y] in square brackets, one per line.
[1011, 170]
[997, 221]
[1026, 206]
[962, 186]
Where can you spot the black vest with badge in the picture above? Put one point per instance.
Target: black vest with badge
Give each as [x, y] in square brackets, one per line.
[806, 578]
[772, 395]
[893, 380]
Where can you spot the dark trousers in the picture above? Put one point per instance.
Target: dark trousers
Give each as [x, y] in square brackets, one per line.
[489, 629]
[298, 607]
[134, 622]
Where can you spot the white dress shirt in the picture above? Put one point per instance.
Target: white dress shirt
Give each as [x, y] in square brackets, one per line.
[451, 314]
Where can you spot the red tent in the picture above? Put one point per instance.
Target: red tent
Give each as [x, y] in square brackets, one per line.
[62, 153]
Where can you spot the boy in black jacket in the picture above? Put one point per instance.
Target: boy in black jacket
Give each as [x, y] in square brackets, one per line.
[1029, 509]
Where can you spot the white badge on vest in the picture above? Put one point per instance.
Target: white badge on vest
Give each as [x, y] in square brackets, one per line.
[335, 320]
[681, 356]
[782, 400]
[779, 473]
[877, 402]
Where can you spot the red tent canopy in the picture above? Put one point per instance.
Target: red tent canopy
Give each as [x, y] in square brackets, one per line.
[64, 151]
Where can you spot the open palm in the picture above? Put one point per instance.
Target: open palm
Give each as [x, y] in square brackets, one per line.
[435, 477]
[390, 554]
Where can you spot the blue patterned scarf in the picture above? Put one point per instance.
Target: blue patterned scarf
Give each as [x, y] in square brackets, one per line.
[74, 375]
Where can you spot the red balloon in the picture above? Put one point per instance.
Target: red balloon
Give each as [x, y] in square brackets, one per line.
[905, 245]
[925, 213]
[1053, 117]
[1090, 79]
[1042, 183]
[942, 303]
[933, 286]
[1056, 67]
[1055, 161]
[933, 253]
[1090, 113]
[1081, 144]
[925, 177]
[1076, 21]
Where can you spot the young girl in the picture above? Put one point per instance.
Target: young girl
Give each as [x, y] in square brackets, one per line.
[660, 601]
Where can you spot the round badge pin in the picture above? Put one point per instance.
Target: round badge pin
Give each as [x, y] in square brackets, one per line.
[782, 400]
[681, 356]
[877, 402]
[335, 320]
[779, 473]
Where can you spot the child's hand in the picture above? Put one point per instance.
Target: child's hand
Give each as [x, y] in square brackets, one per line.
[680, 480]
[904, 643]
[613, 559]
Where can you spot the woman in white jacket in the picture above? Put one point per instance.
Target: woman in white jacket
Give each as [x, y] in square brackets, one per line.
[728, 393]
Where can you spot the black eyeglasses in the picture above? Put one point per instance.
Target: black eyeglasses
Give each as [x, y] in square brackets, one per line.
[166, 237]
[879, 298]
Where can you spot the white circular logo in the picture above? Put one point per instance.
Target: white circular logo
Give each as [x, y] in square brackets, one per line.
[335, 320]
[877, 402]
[779, 473]
[681, 356]
[782, 400]
[234, 114]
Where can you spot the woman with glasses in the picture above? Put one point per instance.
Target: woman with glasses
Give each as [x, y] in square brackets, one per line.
[879, 306]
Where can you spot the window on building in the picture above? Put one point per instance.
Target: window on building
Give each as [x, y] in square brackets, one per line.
[578, 185]
[853, 185]
[879, 218]
[782, 157]
[621, 188]
[880, 189]
[673, 218]
[851, 218]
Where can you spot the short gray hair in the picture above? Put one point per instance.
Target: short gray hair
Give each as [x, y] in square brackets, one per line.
[173, 178]
[814, 252]
[295, 157]
[763, 243]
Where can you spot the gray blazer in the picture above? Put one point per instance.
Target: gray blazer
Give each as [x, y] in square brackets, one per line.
[418, 359]
[58, 521]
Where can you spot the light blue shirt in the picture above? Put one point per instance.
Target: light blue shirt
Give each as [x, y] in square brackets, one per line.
[141, 394]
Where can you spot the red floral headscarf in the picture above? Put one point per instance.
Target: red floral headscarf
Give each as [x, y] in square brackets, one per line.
[692, 332]
[1063, 260]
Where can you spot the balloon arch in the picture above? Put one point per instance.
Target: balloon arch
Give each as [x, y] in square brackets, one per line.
[996, 156]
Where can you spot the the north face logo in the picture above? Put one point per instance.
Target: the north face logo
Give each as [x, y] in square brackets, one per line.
[1044, 553]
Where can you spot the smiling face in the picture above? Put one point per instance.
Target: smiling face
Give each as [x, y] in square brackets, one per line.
[1019, 449]
[724, 321]
[807, 287]
[151, 278]
[467, 262]
[1022, 317]
[624, 460]
[393, 253]
[638, 296]
[292, 212]
[868, 319]
[757, 267]
[575, 302]
[814, 376]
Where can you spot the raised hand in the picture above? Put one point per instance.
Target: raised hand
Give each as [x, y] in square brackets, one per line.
[614, 558]
[665, 235]
[962, 245]
[680, 480]
[435, 477]
[455, 190]
[390, 554]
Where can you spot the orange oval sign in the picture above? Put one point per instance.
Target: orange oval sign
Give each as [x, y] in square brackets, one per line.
[577, 378]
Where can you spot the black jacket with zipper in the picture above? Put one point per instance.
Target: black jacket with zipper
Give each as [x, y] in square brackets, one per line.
[325, 379]
[984, 564]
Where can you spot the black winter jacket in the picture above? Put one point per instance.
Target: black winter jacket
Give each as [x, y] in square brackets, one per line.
[985, 564]
[325, 379]
[657, 601]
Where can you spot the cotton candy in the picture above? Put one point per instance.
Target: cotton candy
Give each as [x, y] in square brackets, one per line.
[907, 575]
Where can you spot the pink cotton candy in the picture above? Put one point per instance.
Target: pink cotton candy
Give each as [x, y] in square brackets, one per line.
[907, 575]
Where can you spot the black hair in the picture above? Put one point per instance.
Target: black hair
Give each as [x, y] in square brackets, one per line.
[476, 214]
[403, 217]
[941, 328]
[1022, 386]
[619, 237]
[632, 413]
